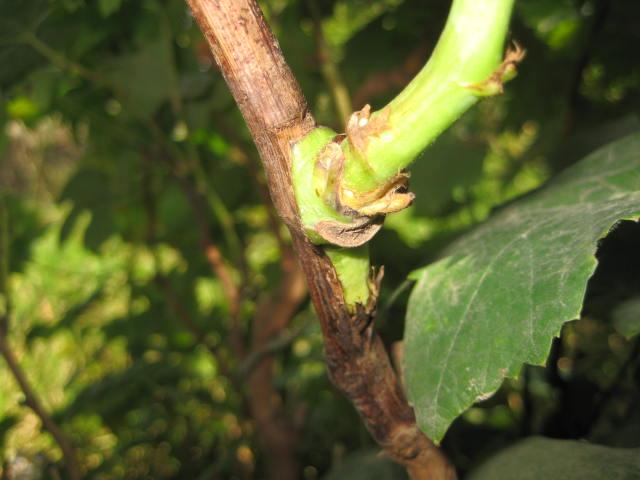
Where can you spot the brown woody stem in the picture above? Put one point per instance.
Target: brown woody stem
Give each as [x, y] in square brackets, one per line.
[276, 113]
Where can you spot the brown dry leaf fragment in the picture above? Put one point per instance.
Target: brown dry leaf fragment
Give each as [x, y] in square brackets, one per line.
[514, 55]
[354, 234]
[390, 203]
[388, 198]
[361, 127]
[505, 72]
[375, 282]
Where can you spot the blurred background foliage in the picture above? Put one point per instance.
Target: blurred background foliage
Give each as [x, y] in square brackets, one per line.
[125, 164]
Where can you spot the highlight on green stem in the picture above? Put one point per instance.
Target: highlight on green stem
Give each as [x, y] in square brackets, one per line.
[354, 273]
[346, 183]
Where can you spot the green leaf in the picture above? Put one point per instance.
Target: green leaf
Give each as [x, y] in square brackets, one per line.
[366, 465]
[537, 458]
[22, 108]
[107, 7]
[503, 291]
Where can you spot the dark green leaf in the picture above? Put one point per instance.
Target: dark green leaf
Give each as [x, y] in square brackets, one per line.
[538, 458]
[502, 292]
[366, 465]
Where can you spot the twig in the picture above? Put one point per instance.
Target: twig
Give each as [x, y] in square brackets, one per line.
[219, 209]
[276, 113]
[173, 300]
[263, 191]
[31, 398]
[216, 262]
[33, 402]
[62, 62]
[277, 433]
[275, 430]
[280, 342]
[252, 162]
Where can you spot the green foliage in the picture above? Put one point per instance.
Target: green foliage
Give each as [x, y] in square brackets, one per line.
[503, 291]
[366, 465]
[627, 318]
[112, 114]
[570, 460]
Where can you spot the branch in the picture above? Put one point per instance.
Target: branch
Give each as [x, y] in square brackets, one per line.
[31, 398]
[162, 282]
[276, 113]
[275, 430]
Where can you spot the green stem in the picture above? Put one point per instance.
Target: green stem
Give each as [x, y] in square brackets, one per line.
[338, 184]
[64, 63]
[469, 50]
[353, 269]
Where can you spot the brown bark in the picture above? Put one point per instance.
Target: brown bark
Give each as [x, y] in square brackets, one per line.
[275, 432]
[276, 113]
[33, 402]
